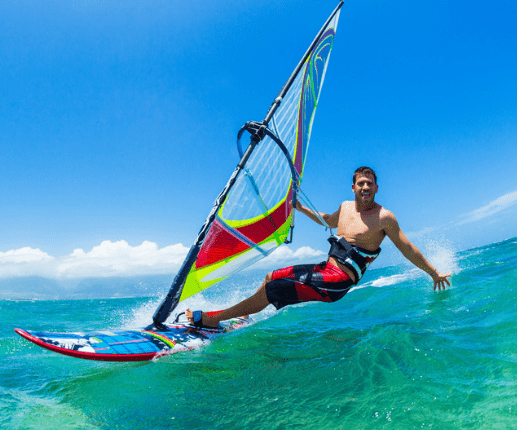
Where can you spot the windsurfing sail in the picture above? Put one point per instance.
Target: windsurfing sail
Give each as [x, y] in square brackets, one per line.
[251, 217]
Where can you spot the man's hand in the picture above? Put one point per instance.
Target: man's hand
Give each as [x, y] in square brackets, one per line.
[440, 280]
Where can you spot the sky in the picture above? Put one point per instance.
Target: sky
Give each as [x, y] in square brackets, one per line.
[118, 122]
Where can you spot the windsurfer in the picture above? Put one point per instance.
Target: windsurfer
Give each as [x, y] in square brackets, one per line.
[361, 225]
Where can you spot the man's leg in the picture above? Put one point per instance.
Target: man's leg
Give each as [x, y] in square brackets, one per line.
[251, 305]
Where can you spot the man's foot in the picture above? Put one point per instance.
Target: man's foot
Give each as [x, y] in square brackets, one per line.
[206, 321]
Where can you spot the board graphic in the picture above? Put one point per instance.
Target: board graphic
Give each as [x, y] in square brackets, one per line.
[131, 345]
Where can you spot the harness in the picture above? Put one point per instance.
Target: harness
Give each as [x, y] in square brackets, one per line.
[353, 257]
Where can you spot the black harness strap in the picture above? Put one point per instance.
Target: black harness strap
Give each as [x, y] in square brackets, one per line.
[351, 256]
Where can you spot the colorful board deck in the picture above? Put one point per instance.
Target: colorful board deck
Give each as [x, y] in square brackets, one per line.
[131, 345]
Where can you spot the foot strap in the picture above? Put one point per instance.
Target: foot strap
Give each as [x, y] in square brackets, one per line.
[197, 316]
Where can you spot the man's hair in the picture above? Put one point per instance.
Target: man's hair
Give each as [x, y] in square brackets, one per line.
[364, 171]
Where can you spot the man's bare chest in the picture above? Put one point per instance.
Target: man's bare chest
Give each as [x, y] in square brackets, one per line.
[359, 225]
[364, 229]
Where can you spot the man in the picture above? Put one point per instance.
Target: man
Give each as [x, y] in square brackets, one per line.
[361, 225]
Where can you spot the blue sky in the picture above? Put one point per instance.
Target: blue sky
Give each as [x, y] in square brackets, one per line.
[118, 122]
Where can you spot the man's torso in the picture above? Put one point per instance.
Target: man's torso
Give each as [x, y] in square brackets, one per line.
[361, 228]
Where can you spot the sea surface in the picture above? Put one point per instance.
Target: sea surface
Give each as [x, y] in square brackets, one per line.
[391, 354]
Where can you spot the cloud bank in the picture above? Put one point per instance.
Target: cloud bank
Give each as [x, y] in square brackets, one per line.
[115, 259]
[492, 208]
[484, 212]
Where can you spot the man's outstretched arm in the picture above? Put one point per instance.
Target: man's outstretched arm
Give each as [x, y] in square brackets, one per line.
[331, 220]
[411, 252]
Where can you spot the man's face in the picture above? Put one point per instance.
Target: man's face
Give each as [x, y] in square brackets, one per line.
[364, 189]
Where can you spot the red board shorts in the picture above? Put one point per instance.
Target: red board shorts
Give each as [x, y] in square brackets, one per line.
[322, 282]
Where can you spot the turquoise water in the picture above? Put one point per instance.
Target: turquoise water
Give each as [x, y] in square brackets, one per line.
[391, 354]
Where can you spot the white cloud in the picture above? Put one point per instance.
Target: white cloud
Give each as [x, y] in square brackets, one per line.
[121, 259]
[492, 208]
[284, 255]
[107, 259]
[25, 262]
[24, 255]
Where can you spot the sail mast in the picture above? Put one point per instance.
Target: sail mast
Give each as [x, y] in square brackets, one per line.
[258, 131]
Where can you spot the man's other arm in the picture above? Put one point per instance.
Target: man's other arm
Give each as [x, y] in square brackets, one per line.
[411, 252]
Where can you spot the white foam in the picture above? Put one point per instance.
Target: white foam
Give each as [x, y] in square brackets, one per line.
[441, 254]
[385, 281]
[208, 300]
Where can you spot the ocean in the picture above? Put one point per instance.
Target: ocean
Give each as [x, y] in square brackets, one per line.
[391, 354]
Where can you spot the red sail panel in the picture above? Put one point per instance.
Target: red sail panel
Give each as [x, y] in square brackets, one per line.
[220, 243]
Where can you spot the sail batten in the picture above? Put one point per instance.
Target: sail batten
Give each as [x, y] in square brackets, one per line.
[252, 217]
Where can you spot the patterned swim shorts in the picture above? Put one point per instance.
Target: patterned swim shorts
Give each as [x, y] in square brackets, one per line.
[322, 282]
